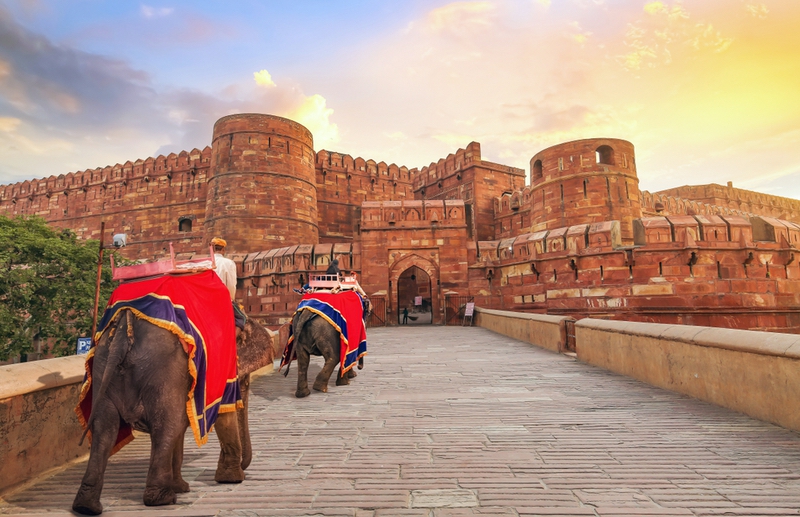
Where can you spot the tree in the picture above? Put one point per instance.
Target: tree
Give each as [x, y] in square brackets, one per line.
[47, 286]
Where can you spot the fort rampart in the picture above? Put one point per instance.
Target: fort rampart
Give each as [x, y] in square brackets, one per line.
[580, 240]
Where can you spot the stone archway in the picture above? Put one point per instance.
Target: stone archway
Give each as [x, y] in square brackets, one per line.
[414, 294]
[414, 265]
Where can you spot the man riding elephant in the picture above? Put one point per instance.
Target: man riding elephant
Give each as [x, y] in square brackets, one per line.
[226, 270]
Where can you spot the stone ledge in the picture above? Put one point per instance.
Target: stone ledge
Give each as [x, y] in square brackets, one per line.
[749, 341]
[21, 378]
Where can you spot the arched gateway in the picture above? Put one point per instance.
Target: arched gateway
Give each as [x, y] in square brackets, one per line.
[415, 282]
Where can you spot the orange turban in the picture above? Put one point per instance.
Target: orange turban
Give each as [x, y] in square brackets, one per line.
[216, 241]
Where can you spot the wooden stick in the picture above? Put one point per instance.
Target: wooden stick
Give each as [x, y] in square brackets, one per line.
[97, 285]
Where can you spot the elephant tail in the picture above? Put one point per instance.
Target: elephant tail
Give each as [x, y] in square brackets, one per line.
[120, 343]
[299, 321]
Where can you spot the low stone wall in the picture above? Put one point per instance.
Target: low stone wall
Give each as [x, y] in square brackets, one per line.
[541, 330]
[755, 373]
[38, 426]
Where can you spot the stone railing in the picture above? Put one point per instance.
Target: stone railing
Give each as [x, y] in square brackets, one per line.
[542, 330]
[38, 426]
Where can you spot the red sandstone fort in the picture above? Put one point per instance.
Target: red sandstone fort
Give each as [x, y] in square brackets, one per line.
[580, 240]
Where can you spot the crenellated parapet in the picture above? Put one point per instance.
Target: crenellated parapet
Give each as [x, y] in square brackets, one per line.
[152, 200]
[735, 199]
[447, 167]
[344, 182]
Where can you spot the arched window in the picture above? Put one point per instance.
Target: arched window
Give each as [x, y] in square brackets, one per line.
[537, 170]
[185, 225]
[605, 154]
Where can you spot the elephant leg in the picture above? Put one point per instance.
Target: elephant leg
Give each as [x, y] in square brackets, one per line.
[178, 484]
[303, 358]
[244, 425]
[164, 436]
[104, 433]
[343, 379]
[324, 375]
[229, 466]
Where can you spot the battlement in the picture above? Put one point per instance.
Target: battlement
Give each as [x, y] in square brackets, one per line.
[146, 170]
[449, 166]
[331, 161]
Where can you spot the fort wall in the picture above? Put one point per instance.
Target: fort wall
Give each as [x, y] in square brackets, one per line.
[154, 201]
[581, 240]
[465, 176]
[343, 183]
[740, 200]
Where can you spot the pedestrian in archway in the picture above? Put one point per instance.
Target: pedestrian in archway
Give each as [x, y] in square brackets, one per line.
[405, 315]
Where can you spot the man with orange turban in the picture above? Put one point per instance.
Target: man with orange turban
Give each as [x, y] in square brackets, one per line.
[226, 270]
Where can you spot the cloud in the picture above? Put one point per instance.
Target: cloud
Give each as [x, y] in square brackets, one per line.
[263, 78]
[155, 12]
[667, 33]
[460, 16]
[757, 10]
[80, 110]
[9, 124]
[315, 115]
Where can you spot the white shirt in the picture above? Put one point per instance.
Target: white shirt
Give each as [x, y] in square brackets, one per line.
[226, 271]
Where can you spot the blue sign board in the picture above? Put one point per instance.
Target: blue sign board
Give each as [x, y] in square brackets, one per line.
[84, 344]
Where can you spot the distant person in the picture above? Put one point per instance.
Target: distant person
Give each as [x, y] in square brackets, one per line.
[333, 269]
[405, 315]
[226, 271]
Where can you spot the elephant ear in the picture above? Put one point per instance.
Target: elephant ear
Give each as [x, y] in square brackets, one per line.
[254, 347]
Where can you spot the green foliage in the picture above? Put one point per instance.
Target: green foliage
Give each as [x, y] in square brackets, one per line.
[47, 286]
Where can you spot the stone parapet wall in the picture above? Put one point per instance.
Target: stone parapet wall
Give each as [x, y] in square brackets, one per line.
[542, 330]
[754, 373]
[38, 426]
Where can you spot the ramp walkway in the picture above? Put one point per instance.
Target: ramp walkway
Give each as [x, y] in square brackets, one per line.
[454, 421]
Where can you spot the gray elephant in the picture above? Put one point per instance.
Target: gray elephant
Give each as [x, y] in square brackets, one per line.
[141, 377]
[313, 335]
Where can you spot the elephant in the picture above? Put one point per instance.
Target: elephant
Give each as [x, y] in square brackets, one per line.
[141, 377]
[315, 336]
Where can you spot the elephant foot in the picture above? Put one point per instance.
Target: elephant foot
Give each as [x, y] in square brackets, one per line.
[351, 374]
[318, 386]
[179, 486]
[229, 474]
[85, 503]
[342, 381]
[159, 496]
[302, 393]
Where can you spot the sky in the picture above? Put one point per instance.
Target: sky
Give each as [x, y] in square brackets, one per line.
[708, 91]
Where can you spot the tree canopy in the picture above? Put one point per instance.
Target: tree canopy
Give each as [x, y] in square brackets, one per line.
[47, 286]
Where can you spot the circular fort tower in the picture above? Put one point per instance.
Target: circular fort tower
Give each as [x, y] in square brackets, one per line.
[584, 182]
[262, 191]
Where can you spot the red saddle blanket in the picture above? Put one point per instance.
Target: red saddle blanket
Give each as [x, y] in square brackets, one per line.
[345, 312]
[197, 309]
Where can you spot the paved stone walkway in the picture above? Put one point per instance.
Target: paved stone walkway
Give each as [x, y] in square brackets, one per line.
[450, 422]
